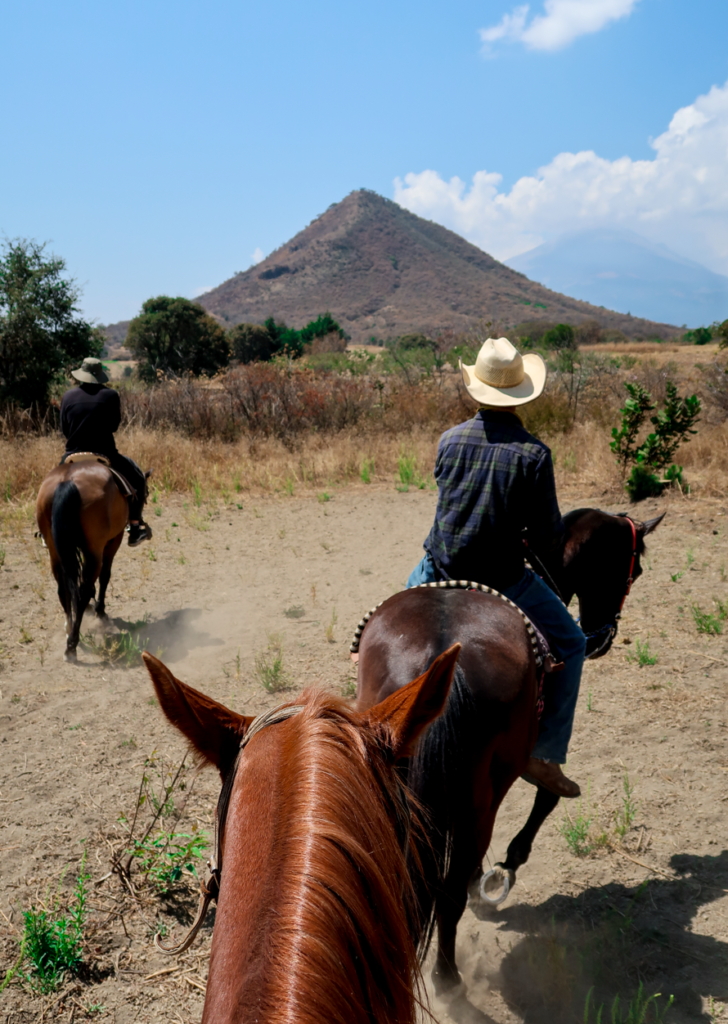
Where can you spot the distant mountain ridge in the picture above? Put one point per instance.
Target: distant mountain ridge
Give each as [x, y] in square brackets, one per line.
[624, 271]
[383, 271]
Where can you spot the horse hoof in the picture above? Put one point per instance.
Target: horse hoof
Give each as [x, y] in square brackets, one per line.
[70, 656]
[448, 987]
[495, 886]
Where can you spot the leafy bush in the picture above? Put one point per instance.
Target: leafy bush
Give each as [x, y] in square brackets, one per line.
[700, 336]
[251, 343]
[672, 425]
[559, 337]
[164, 859]
[53, 940]
[176, 337]
[41, 333]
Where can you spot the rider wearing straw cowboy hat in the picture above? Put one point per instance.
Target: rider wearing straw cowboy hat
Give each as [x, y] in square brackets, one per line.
[90, 414]
[495, 480]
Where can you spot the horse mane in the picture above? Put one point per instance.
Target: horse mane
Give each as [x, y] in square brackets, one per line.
[439, 775]
[341, 949]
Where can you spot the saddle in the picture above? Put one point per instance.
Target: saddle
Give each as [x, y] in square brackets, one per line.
[127, 491]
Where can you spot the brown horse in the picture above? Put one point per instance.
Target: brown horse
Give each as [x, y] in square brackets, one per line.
[315, 909]
[82, 516]
[473, 754]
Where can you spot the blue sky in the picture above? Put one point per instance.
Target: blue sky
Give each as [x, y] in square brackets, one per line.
[159, 145]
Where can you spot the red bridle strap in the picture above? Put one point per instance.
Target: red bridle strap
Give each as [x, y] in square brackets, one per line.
[630, 578]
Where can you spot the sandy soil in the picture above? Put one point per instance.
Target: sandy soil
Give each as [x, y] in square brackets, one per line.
[648, 907]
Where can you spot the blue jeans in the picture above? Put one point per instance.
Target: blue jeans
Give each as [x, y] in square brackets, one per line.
[561, 690]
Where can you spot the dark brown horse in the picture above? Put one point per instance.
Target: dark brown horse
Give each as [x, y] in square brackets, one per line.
[472, 755]
[315, 909]
[82, 516]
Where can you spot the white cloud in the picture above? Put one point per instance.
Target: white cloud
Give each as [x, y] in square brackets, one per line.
[679, 198]
[562, 23]
[257, 256]
[201, 291]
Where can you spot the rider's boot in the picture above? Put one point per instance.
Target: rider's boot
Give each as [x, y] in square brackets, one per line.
[550, 776]
[138, 533]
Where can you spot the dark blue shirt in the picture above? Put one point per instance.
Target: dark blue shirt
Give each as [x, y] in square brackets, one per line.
[494, 480]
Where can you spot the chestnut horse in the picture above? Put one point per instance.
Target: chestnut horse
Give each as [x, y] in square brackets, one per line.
[82, 516]
[315, 908]
[474, 753]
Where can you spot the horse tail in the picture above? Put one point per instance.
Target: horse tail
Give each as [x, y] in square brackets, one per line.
[68, 538]
[440, 776]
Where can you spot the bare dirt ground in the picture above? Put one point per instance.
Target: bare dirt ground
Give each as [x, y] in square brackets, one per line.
[650, 907]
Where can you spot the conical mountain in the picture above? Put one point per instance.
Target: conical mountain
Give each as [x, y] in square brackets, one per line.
[382, 271]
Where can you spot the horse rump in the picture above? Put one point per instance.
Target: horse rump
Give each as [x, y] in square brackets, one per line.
[440, 776]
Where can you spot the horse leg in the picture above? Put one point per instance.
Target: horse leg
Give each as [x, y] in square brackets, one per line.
[450, 906]
[85, 592]
[520, 847]
[109, 552]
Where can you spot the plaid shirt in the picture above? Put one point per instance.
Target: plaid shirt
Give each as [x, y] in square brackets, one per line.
[494, 479]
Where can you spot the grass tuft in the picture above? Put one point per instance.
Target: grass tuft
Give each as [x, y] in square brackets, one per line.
[53, 940]
[269, 668]
[710, 623]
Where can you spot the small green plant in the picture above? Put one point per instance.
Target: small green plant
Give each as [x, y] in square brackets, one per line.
[408, 475]
[589, 705]
[53, 940]
[296, 611]
[642, 654]
[624, 817]
[367, 469]
[576, 830]
[330, 628]
[710, 623]
[164, 859]
[25, 636]
[672, 426]
[289, 484]
[348, 690]
[640, 1010]
[198, 492]
[2, 557]
[323, 498]
[675, 576]
[269, 665]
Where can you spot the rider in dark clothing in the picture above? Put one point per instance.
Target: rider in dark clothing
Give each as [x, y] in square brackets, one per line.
[90, 415]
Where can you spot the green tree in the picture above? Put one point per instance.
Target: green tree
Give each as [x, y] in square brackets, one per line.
[700, 336]
[42, 334]
[176, 336]
[720, 332]
[560, 336]
[251, 343]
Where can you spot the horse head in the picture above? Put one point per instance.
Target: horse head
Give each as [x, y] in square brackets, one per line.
[601, 560]
[313, 829]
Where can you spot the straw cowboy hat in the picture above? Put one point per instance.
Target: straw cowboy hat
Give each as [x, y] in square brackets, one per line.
[91, 372]
[502, 376]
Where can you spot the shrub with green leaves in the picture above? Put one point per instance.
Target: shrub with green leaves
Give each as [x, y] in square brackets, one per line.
[164, 859]
[53, 941]
[673, 424]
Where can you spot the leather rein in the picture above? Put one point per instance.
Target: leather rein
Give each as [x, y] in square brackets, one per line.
[600, 640]
[210, 888]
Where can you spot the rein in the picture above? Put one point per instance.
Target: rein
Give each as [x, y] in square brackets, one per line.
[602, 638]
[210, 888]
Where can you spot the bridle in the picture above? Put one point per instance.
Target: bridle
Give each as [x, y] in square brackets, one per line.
[210, 888]
[599, 641]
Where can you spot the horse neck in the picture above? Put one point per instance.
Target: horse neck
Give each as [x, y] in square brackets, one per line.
[312, 923]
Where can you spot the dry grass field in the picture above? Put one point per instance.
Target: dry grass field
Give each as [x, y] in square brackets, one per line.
[264, 558]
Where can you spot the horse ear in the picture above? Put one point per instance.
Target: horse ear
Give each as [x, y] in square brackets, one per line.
[213, 730]
[652, 524]
[407, 712]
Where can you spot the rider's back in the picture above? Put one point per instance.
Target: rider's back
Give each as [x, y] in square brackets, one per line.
[494, 480]
[90, 414]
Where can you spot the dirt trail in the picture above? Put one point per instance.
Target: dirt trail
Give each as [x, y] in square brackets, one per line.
[213, 584]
